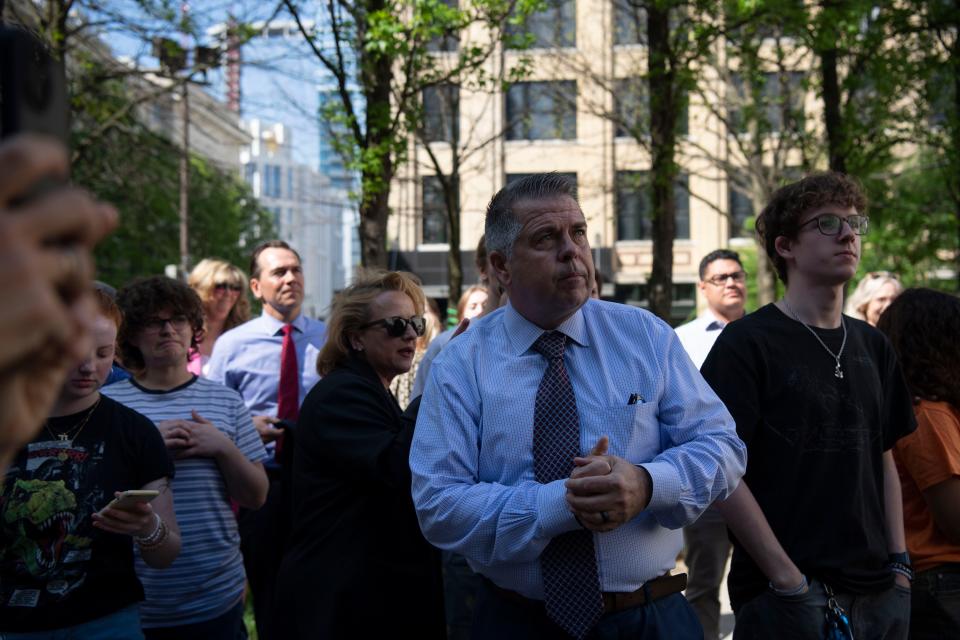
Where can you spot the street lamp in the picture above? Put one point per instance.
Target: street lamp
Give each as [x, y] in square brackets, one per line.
[174, 61]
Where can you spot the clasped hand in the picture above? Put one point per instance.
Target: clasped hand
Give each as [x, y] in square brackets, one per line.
[192, 438]
[606, 491]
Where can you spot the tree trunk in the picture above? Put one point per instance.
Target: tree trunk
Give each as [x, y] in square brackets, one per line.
[376, 77]
[663, 173]
[451, 192]
[374, 211]
[831, 110]
[766, 275]
[954, 123]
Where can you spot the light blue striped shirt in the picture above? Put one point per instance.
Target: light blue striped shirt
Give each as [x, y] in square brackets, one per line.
[472, 454]
[207, 578]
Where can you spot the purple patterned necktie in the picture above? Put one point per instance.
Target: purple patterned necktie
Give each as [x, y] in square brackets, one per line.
[571, 583]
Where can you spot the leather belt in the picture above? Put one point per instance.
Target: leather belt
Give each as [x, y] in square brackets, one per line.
[665, 585]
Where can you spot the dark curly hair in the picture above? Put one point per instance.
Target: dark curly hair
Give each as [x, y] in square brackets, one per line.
[924, 327]
[142, 300]
[781, 217]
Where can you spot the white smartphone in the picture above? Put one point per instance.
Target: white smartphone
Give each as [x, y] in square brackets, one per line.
[133, 496]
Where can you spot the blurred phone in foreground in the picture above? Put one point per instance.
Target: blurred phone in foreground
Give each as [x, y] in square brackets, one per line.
[33, 89]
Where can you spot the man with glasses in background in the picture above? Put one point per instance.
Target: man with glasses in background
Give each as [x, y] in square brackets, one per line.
[820, 401]
[272, 362]
[706, 546]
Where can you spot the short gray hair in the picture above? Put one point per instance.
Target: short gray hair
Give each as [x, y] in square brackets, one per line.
[502, 227]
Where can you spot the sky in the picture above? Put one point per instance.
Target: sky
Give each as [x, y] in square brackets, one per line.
[279, 77]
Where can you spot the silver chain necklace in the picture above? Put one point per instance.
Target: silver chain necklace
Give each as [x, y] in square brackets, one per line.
[837, 372]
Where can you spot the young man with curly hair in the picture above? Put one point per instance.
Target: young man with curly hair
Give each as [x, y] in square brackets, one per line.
[218, 456]
[820, 401]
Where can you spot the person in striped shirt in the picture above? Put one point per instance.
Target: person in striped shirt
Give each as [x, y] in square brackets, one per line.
[218, 457]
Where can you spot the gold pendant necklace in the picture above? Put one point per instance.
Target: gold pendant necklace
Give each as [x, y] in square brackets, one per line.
[66, 436]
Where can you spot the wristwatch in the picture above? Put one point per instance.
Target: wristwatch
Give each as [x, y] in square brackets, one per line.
[900, 558]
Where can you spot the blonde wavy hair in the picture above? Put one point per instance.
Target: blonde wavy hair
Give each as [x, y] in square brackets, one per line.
[866, 291]
[351, 310]
[210, 272]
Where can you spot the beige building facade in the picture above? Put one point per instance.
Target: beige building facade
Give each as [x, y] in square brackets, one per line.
[566, 116]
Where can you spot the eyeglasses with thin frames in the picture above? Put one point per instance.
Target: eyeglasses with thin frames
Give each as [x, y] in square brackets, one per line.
[830, 224]
[179, 322]
[397, 326]
[720, 279]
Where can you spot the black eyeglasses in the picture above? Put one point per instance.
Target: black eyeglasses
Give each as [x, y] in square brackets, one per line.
[179, 322]
[397, 326]
[830, 224]
[721, 278]
[223, 286]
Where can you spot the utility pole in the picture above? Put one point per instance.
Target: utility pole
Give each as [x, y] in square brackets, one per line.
[173, 60]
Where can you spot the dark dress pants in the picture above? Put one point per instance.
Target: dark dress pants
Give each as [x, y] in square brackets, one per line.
[707, 549]
[935, 600]
[500, 618]
[262, 540]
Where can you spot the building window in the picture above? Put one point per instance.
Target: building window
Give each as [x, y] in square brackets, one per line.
[272, 183]
[250, 173]
[629, 22]
[449, 40]
[542, 110]
[739, 208]
[634, 212]
[553, 26]
[441, 113]
[780, 102]
[638, 295]
[290, 183]
[632, 105]
[434, 212]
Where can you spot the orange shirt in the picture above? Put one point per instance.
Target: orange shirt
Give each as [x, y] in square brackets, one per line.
[928, 456]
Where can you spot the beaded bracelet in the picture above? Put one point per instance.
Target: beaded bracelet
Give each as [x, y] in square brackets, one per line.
[154, 538]
[903, 569]
[161, 537]
[791, 592]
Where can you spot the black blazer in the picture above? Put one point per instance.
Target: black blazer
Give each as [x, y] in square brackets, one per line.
[357, 561]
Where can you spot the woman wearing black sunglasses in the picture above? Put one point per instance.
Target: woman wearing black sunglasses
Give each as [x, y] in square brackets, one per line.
[357, 565]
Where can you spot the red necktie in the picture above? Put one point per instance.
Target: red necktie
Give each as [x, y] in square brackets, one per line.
[288, 392]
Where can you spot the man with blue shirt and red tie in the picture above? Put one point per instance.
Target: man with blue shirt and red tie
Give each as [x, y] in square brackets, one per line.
[563, 442]
[271, 362]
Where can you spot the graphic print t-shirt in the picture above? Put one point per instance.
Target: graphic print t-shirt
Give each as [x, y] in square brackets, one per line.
[56, 568]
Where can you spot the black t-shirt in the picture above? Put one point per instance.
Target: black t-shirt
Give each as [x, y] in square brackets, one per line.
[815, 443]
[56, 568]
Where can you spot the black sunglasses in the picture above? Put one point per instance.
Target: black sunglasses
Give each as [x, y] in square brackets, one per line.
[223, 286]
[397, 326]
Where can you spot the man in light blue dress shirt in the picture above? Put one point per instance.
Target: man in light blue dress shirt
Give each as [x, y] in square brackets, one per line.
[656, 444]
[247, 359]
[707, 548]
